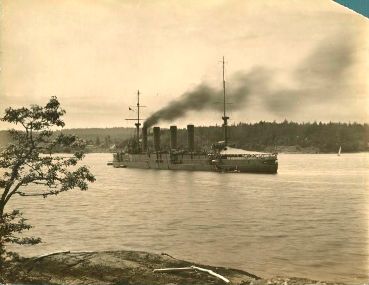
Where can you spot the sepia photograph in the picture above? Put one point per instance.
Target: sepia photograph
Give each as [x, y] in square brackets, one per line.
[175, 142]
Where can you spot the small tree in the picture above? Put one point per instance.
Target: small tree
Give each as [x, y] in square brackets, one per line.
[107, 141]
[29, 159]
[97, 141]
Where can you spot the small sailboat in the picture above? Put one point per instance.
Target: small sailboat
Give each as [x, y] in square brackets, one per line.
[339, 151]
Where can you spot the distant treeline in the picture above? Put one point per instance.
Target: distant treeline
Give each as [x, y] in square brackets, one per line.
[325, 137]
[97, 139]
[269, 136]
[102, 137]
[318, 137]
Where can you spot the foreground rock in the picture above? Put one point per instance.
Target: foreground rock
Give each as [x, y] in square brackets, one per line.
[128, 267]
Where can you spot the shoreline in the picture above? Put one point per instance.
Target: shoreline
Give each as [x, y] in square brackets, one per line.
[267, 150]
[134, 268]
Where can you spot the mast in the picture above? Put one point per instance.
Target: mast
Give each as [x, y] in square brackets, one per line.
[138, 119]
[225, 117]
[138, 124]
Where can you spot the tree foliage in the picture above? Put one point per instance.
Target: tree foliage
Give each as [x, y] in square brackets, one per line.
[29, 159]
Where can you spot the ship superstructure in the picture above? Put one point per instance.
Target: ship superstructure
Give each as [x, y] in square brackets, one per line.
[221, 157]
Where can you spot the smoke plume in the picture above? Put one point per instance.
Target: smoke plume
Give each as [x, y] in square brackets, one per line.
[320, 76]
[201, 98]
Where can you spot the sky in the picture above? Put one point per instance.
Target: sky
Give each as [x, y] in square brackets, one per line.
[300, 60]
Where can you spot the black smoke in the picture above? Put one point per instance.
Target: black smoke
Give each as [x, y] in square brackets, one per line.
[321, 76]
[201, 98]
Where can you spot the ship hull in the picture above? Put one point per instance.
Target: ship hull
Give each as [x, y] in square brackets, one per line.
[195, 162]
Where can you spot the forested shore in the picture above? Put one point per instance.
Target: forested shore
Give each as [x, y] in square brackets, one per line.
[262, 136]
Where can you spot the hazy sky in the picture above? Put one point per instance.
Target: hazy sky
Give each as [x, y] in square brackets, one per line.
[299, 60]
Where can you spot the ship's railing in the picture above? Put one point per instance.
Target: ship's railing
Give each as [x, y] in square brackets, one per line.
[248, 156]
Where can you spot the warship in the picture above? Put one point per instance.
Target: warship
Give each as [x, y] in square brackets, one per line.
[221, 158]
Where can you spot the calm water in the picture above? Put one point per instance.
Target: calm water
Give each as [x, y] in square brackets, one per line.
[309, 220]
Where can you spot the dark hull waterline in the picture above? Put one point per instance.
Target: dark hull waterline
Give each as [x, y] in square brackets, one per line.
[197, 162]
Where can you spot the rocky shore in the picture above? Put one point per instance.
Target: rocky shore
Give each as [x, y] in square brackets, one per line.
[131, 267]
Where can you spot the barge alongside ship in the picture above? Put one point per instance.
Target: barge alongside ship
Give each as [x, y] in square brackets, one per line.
[221, 158]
